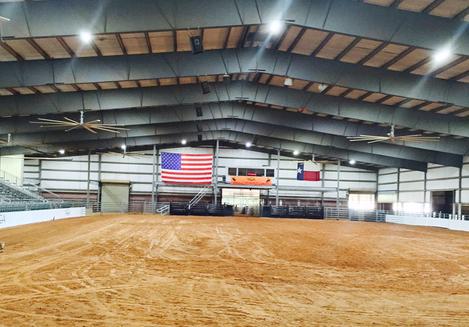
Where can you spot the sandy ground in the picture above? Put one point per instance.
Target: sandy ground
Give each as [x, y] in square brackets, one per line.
[180, 271]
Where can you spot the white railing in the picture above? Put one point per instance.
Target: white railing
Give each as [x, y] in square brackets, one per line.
[199, 196]
[164, 210]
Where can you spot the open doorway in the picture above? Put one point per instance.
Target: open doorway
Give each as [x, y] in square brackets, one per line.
[442, 201]
[245, 202]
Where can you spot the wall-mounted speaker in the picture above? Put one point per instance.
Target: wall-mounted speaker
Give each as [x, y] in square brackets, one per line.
[196, 44]
[205, 87]
[198, 111]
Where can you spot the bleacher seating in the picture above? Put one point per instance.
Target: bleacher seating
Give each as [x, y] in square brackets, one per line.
[11, 193]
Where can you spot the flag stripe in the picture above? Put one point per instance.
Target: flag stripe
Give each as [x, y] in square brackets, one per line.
[186, 168]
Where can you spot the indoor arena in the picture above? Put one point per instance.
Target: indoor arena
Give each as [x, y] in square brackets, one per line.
[234, 163]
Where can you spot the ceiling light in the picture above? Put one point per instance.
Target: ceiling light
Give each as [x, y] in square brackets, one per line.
[275, 27]
[86, 36]
[442, 55]
[296, 152]
[124, 147]
[62, 151]
[4, 19]
[352, 162]
[288, 82]
[322, 87]
[248, 144]
[183, 141]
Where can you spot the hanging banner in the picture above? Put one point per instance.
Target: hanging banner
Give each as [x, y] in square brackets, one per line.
[251, 180]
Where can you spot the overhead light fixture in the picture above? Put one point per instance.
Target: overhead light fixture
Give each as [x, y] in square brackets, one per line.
[352, 162]
[296, 152]
[183, 141]
[61, 151]
[288, 82]
[442, 55]
[124, 147]
[275, 27]
[4, 19]
[322, 87]
[248, 144]
[86, 36]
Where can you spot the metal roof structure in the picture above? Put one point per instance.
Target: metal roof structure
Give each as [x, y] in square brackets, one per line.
[356, 67]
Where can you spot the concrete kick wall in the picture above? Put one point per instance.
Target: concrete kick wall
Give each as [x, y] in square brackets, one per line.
[10, 219]
[453, 224]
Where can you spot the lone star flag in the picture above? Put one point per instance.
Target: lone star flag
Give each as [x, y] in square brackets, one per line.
[183, 168]
[307, 175]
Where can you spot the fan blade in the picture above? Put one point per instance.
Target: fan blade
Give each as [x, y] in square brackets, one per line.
[71, 129]
[420, 139]
[72, 121]
[411, 135]
[376, 141]
[116, 127]
[47, 123]
[51, 120]
[106, 130]
[89, 129]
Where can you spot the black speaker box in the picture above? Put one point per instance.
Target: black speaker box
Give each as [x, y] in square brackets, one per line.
[196, 44]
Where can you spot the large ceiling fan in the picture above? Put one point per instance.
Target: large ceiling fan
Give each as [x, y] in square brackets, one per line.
[313, 159]
[93, 126]
[391, 137]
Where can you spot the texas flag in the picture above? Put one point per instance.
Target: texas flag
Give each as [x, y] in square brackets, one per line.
[308, 171]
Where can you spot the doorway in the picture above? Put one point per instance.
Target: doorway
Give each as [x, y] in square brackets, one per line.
[245, 202]
[442, 201]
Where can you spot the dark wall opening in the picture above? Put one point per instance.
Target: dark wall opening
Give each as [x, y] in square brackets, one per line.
[442, 201]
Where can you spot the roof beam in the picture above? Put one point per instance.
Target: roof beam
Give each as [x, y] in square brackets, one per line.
[233, 61]
[59, 17]
[257, 126]
[243, 112]
[232, 91]
[269, 136]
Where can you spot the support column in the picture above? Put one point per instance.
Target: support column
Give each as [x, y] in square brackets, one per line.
[323, 173]
[338, 188]
[278, 177]
[99, 177]
[425, 187]
[153, 180]
[460, 193]
[398, 197]
[88, 181]
[39, 177]
[215, 184]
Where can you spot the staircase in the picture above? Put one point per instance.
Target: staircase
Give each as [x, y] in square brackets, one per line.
[199, 196]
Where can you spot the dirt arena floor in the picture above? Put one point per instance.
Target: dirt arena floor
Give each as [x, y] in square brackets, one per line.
[178, 271]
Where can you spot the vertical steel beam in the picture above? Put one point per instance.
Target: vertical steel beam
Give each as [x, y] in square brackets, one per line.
[278, 177]
[215, 183]
[153, 180]
[88, 181]
[323, 173]
[424, 188]
[460, 193]
[157, 174]
[338, 189]
[99, 177]
[398, 198]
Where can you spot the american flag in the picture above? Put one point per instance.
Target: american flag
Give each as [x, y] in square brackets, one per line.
[183, 168]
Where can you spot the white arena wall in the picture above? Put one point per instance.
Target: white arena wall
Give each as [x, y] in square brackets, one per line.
[16, 218]
[407, 186]
[70, 174]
